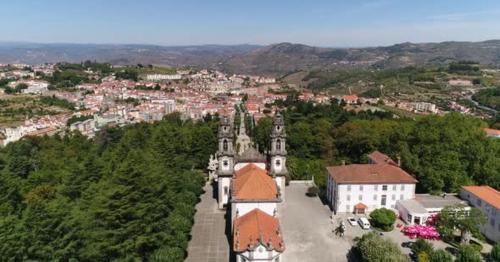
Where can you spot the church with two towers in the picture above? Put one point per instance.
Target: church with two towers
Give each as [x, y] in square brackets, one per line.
[252, 186]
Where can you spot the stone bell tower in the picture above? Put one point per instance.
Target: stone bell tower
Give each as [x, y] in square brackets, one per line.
[278, 153]
[225, 160]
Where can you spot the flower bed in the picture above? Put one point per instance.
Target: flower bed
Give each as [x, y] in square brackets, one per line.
[425, 232]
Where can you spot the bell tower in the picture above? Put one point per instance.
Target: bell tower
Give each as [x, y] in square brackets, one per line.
[278, 153]
[225, 161]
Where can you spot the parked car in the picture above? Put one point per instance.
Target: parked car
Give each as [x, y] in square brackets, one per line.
[352, 221]
[363, 222]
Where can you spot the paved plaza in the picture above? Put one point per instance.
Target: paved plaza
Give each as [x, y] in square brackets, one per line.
[209, 242]
[308, 229]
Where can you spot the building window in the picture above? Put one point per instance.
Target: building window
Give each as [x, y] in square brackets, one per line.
[360, 187]
[409, 218]
[347, 208]
[401, 197]
[348, 197]
[375, 187]
[278, 163]
[393, 206]
[394, 187]
[360, 197]
[383, 201]
[226, 163]
[278, 144]
[492, 222]
[224, 145]
[226, 190]
[384, 187]
[402, 187]
[348, 187]
[374, 197]
[393, 197]
[479, 203]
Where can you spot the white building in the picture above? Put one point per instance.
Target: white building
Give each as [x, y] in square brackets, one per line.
[486, 199]
[161, 77]
[361, 188]
[418, 210]
[425, 107]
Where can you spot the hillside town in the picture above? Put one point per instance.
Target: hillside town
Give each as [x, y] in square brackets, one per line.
[109, 100]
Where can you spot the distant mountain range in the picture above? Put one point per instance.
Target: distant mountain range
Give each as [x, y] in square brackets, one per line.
[276, 59]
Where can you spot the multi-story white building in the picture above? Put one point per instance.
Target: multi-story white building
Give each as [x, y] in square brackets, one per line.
[160, 77]
[425, 107]
[361, 188]
[486, 199]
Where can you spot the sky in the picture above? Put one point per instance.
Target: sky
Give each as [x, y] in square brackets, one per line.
[348, 23]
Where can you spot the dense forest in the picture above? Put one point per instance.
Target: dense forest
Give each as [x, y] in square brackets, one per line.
[443, 153]
[127, 195]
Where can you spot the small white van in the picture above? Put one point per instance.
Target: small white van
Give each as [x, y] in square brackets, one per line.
[364, 223]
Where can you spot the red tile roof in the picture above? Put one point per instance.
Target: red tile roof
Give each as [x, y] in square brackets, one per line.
[360, 206]
[253, 183]
[486, 193]
[491, 131]
[350, 98]
[255, 228]
[380, 158]
[370, 174]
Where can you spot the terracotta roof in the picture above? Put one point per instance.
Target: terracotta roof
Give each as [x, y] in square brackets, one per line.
[253, 183]
[255, 228]
[380, 158]
[491, 131]
[485, 193]
[370, 174]
[360, 206]
[350, 98]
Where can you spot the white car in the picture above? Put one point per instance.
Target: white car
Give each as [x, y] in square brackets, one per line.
[351, 221]
[364, 223]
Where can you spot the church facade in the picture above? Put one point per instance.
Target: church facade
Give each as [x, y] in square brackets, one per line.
[252, 185]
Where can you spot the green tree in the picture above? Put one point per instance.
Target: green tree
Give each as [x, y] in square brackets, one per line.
[458, 217]
[373, 248]
[383, 218]
[421, 246]
[440, 256]
[467, 253]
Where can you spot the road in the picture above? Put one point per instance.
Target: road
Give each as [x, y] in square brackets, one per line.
[242, 139]
[209, 242]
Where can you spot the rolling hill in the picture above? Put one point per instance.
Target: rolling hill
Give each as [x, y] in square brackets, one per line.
[276, 59]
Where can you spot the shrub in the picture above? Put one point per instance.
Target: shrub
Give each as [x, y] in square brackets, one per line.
[467, 253]
[440, 256]
[383, 218]
[372, 247]
[312, 191]
[421, 246]
[495, 253]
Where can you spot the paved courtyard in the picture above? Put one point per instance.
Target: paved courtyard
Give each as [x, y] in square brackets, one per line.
[209, 242]
[308, 229]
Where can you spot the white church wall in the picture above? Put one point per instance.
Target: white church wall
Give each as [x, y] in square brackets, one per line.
[224, 190]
